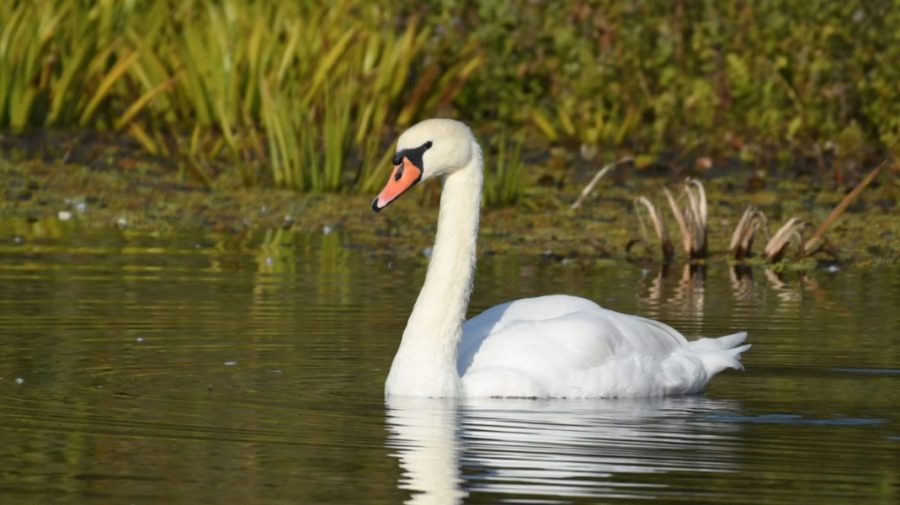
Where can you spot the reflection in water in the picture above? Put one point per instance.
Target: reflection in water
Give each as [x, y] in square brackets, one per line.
[741, 277]
[688, 293]
[792, 292]
[554, 448]
[424, 433]
[249, 368]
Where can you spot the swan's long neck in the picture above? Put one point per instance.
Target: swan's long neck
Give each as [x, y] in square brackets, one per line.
[425, 364]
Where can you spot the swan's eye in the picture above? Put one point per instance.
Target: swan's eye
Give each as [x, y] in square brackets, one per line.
[398, 158]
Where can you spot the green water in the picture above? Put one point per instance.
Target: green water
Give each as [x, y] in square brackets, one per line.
[249, 369]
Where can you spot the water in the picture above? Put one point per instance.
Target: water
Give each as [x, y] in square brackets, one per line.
[249, 369]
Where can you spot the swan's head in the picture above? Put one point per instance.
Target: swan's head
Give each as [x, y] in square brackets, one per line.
[428, 149]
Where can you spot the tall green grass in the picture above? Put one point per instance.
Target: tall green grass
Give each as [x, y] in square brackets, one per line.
[303, 93]
[308, 94]
[504, 172]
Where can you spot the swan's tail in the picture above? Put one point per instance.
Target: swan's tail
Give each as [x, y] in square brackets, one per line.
[720, 353]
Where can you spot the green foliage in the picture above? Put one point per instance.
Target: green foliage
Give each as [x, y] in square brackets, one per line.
[719, 76]
[307, 94]
[292, 89]
[503, 172]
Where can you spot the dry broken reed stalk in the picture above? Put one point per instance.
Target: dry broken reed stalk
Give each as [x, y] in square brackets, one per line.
[742, 239]
[599, 175]
[810, 245]
[754, 220]
[659, 226]
[692, 220]
[777, 245]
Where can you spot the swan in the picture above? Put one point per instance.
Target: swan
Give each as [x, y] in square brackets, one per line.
[554, 346]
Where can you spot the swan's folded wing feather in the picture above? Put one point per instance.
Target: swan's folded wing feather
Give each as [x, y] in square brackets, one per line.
[558, 332]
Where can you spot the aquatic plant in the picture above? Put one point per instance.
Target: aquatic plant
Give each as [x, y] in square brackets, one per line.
[295, 90]
[692, 220]
[306, 95]
[503, 177]
[776, 246]
[596, 179]
[659, 227]
[752, 220]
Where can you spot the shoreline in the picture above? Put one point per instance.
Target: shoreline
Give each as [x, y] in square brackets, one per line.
[151, 198]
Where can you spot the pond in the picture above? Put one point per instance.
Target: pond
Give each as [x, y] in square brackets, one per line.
[249, 369]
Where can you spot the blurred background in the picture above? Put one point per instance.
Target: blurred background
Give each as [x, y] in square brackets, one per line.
[198, 305]
[309, 95]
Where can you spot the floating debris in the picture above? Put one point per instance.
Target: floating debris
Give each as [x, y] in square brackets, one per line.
[231, 363]
[327, 229]
[64, 215]
[121, 223]
[19, 381]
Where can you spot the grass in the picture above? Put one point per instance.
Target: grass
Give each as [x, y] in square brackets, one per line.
[308, 95]
[287, 91]
[504, 172]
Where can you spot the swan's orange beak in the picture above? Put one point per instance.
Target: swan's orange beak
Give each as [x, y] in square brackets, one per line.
[405, 175]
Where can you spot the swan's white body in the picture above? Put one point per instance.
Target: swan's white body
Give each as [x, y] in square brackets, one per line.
[548, 347]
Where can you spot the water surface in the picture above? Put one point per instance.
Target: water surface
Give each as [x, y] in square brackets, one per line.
[249, 369]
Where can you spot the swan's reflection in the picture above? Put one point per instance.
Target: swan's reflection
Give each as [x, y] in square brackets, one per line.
[542, 449]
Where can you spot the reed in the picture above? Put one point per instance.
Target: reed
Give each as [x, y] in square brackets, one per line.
[503, 178]
[284, 91]
[777, 245]
[752, 220]
[692, 219]
[667, 250]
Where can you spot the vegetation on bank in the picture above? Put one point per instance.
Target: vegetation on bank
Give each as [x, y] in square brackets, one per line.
[308, 95]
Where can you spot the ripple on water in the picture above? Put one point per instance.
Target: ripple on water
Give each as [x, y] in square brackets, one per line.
[251, 371]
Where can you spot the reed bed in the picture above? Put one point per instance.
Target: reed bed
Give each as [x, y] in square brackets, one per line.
[308, 95]
[504, 172]
[297, 92]
[692, 222]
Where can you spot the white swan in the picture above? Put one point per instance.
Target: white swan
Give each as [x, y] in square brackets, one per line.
[554, 346]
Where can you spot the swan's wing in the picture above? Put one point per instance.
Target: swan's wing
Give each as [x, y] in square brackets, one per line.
[568, 346]
[567, 331]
